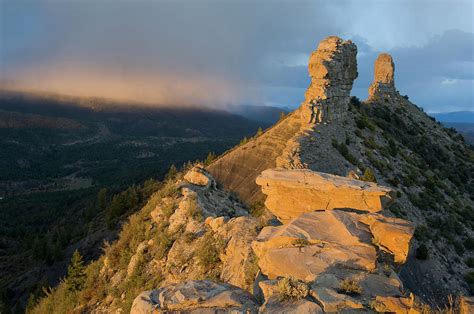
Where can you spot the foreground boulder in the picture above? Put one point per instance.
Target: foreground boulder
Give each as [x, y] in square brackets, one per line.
[195, 296]
[198, 176]
[316, 242]
[291, 193]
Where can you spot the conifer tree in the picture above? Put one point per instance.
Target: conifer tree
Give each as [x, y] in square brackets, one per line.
[172, 172]
[76, 273]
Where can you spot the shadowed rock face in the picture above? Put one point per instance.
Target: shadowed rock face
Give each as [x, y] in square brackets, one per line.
[384, 78]
[291, 193]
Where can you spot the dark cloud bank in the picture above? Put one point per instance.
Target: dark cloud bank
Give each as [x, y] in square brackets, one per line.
[222, 52]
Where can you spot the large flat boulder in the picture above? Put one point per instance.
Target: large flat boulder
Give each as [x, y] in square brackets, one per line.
[195, 296]
[291, 193]
[317, 242]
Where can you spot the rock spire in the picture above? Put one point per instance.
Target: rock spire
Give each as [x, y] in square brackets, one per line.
[383, 86]
[333, 69]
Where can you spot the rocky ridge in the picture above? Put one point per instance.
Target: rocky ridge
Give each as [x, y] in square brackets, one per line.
[334, 243]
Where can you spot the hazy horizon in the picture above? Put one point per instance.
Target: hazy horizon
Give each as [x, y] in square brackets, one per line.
[219, 53]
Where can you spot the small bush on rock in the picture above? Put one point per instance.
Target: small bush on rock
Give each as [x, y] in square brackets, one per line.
[350, 287]
[291, 288]
[368, 176]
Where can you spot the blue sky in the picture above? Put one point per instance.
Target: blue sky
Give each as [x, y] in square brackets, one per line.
[217, 52]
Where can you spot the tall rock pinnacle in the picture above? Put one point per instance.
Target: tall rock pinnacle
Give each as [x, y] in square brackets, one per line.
[333, 69]
[383, 86]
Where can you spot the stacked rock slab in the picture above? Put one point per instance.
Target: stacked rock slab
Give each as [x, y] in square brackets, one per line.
[291, 193]
[333, 231]
[383, 87]
[333, 69]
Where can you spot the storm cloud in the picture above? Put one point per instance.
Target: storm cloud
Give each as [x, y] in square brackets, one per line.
[229, 52]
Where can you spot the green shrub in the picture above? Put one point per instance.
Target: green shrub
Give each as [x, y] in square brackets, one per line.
[469, 277]
[364, 122]
[344, 151]
[369, 176]
[290, 288]
[257, 209]
[469, 262]
[162, 245]
[76, 273]
[350, 287]
[370, 143]
[469, 243]
[193, 210]
[208, 253]
[422, 233]
[422, 252]
[300, 242]
[458, 247]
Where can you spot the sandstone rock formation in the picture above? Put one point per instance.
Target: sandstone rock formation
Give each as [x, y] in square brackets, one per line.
[198, 176]
[383, 86]
[326, 245]
[293, 192]
[313, 243]
[195, 296]
[392, 235]
[332, 68]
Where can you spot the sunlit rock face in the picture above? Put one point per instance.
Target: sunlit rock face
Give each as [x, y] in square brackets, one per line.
[195, 296]
[291, 193]
[383, 86]
[333, 69]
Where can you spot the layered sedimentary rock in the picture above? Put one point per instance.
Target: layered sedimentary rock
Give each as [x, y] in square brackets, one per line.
[333, 69]
[237, 169]
[316, 242]
[383, 86]
[195, 296]
[338, 247]
[291, 193]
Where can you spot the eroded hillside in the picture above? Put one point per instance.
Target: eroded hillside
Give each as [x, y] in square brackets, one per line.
[368, 207]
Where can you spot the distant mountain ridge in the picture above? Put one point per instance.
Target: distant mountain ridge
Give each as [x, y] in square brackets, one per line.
[455, 116]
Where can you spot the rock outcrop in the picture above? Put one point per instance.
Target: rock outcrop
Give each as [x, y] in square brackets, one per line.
[338, 249]
[195, 296]
[333, 69]
[383, 87]
[198, 176]
[291, 193]
[316, 242]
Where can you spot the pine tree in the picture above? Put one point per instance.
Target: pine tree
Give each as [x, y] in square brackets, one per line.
[172, 172]
[102, 198]
[259, 131]
[76, 273]
[210, 158]
[282, 115]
